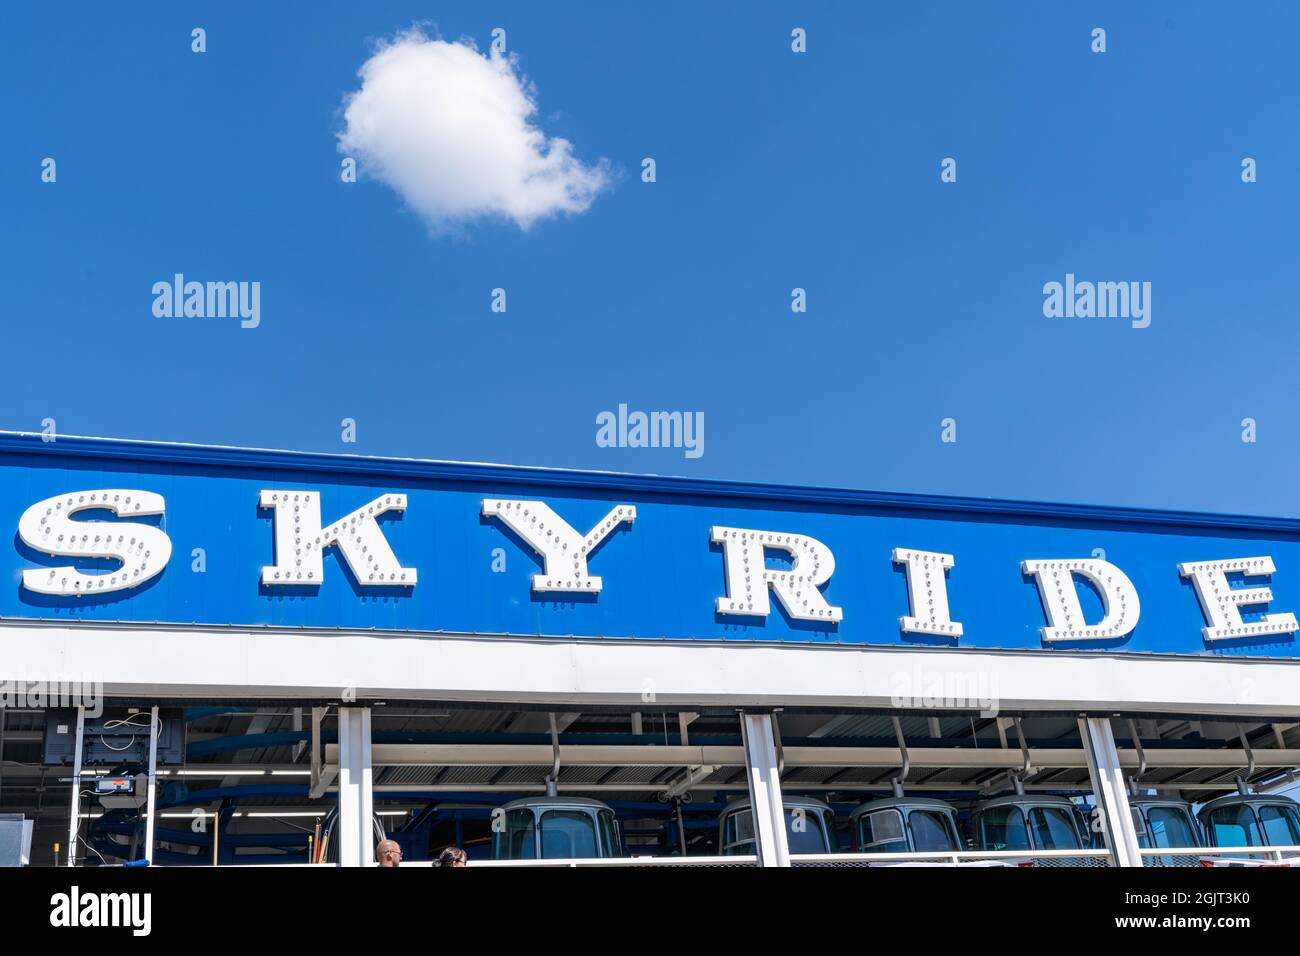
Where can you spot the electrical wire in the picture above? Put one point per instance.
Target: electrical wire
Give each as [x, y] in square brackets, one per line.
[127, 722]
[92, 849]
[294, 826]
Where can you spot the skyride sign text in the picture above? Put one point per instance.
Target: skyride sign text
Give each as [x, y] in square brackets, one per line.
[429, 548]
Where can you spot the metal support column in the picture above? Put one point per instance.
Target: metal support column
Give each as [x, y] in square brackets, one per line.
[75, 823]
[1108, 788]
[762, 773]
[153, 784]
[681, 824]
[356, 837]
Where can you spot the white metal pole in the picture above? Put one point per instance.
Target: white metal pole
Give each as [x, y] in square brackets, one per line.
[153, 780]
[75, 823]
[355, 795]
[367, 843]
[1108, 787]
[764, 781]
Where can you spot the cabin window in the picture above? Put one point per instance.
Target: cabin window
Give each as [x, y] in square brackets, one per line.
[1088, 838]
[931, 831]
[568, 835]
[738, 834]
[609, 834]
[517, 841]
[1139, 826]
[1169, 827]
[812, 839]
[1003, 828]
[1281, 827]
[1053, 828]
[1234, 826]
[882, 832]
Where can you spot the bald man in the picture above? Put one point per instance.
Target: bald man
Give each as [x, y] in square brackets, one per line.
[388, 853]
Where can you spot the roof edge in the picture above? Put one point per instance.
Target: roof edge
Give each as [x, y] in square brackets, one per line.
[36, 443]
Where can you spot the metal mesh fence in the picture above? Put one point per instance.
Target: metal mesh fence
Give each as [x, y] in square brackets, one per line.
[1087, 861]
[1222, 856]
[1027, 858]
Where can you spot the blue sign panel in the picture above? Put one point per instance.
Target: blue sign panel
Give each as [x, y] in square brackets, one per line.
[254, 538]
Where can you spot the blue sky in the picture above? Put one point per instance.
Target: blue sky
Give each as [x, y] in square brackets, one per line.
[775, 170]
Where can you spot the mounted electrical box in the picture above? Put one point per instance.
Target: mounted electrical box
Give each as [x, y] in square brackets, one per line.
[117, 737]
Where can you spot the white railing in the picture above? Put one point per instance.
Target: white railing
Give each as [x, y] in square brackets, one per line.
[1186, 856]
[958, 858]
[647, 861]
[1191, 856]
[650, 861]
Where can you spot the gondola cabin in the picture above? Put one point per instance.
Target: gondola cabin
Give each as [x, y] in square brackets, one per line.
[903, 825]
[555, 828]
[1251, 820]
[1163, 822]
[809, 827]
[1028, 822]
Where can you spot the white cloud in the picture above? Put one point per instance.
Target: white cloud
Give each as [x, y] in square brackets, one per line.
[450, 129]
